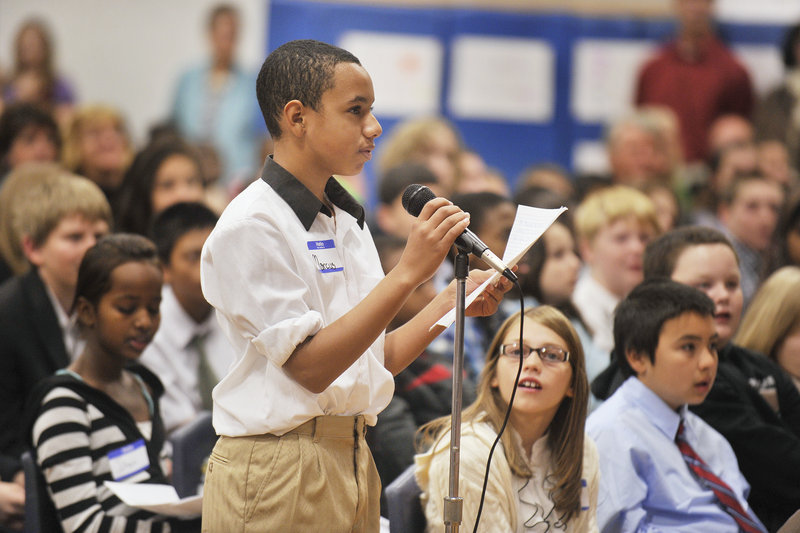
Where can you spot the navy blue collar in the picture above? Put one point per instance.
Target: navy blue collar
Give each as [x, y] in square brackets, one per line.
[303, 202]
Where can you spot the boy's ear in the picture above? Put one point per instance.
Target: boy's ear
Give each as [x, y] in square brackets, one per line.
[31, 251]
[638, 361]
[87, 315]
[293, 118]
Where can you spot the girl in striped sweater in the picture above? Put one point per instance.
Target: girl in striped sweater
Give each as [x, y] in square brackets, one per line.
[98, 419]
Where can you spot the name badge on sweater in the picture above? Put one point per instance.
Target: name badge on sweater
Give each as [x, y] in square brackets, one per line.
[324, 255]
[128, 460]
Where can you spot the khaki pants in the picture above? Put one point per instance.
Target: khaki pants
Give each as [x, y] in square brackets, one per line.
[318, 477]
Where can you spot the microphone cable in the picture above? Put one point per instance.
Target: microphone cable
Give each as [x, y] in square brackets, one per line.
[508, 410]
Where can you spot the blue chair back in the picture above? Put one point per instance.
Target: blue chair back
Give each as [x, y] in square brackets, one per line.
[404, 508]
[191, 446]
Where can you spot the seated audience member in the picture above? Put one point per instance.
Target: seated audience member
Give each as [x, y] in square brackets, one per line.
[431, 141]
[662, 468]
[544, 475]
[633, 156]
[58, 218]
[390, 216]
[749, 212]
[548, 275]
[190, 352]
[27, 134]
[787, 234]
[213, 102]
[12, 258]
[775, 116]
[98, 419]
[549, 176]
[613, 226]
[775, 164]
[162, 174]
[491, 219]
[476, 176]
[35, 79]
[772, 323]
[752, 403]
[97, 146]
[422, 391]
[666, 204]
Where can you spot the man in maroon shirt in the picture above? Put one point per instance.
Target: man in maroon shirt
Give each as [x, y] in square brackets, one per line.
[696, 76]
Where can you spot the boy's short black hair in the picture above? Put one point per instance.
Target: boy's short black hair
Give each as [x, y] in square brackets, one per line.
[175, 222]
[661, 255]
[641, 315]
[298, 70]
[394, 182]
[478, 204]
[16, 118]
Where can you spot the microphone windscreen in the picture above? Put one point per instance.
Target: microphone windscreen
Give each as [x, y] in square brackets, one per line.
[415, 197]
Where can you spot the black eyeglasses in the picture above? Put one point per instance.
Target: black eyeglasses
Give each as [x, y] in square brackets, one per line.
[548, 354]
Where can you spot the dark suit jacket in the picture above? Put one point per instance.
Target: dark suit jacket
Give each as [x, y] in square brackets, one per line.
[31, 348]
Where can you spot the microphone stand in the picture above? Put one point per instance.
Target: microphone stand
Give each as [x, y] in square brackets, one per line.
[453, 504]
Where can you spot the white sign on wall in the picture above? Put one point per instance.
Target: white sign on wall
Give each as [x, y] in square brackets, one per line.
[604, 76]
[406, 70]
[502, 79]
[758, 11]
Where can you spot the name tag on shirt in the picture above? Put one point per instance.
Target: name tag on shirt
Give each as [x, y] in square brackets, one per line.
[584, 496]
[324, 255]
[128, 460]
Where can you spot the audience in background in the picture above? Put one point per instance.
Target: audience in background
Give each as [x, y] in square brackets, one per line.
[35, 79]
[777, 116]
[214, 102]
[771, 325]
[633, 152]
[391, 218]
[97, 146]
[190, 352]
[98, 419]
[613, 226]
[662, 468]
[787, 234]
[544, 474]
[431, 141]
[696, 76]
[749, 214]
[27, 134]
[163, 173]
[58, 218]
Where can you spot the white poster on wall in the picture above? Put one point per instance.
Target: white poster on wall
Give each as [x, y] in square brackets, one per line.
[502, 79]
[604, 77]
[406, 70]
[758, 11]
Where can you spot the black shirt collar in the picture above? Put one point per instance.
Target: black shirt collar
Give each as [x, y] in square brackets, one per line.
[303, 202]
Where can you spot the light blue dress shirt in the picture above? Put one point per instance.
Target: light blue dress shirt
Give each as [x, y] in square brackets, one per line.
[645, 484]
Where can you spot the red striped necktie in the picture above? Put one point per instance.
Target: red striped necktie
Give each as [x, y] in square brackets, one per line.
[723, 492]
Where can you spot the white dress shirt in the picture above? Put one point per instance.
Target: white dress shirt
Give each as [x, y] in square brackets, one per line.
[645, 484]
[278, 268]
[175, 361]
[596, 305]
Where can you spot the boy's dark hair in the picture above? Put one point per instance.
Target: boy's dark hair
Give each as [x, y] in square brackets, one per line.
[478, 204]
[661, 255]
[16, 118]
[111, 251]
[298, 70]
[639, 318]
[175, 222]
[732, 191]
[396, 179]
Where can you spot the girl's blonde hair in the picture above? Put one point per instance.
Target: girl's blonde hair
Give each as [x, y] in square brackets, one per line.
[773, 313]
[566, 431]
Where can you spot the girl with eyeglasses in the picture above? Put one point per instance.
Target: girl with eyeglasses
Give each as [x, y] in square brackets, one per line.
[544, 474]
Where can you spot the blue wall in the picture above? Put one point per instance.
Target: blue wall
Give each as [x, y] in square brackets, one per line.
[508, 146]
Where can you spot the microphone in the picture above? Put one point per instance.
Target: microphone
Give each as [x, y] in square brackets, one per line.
[416, 196]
